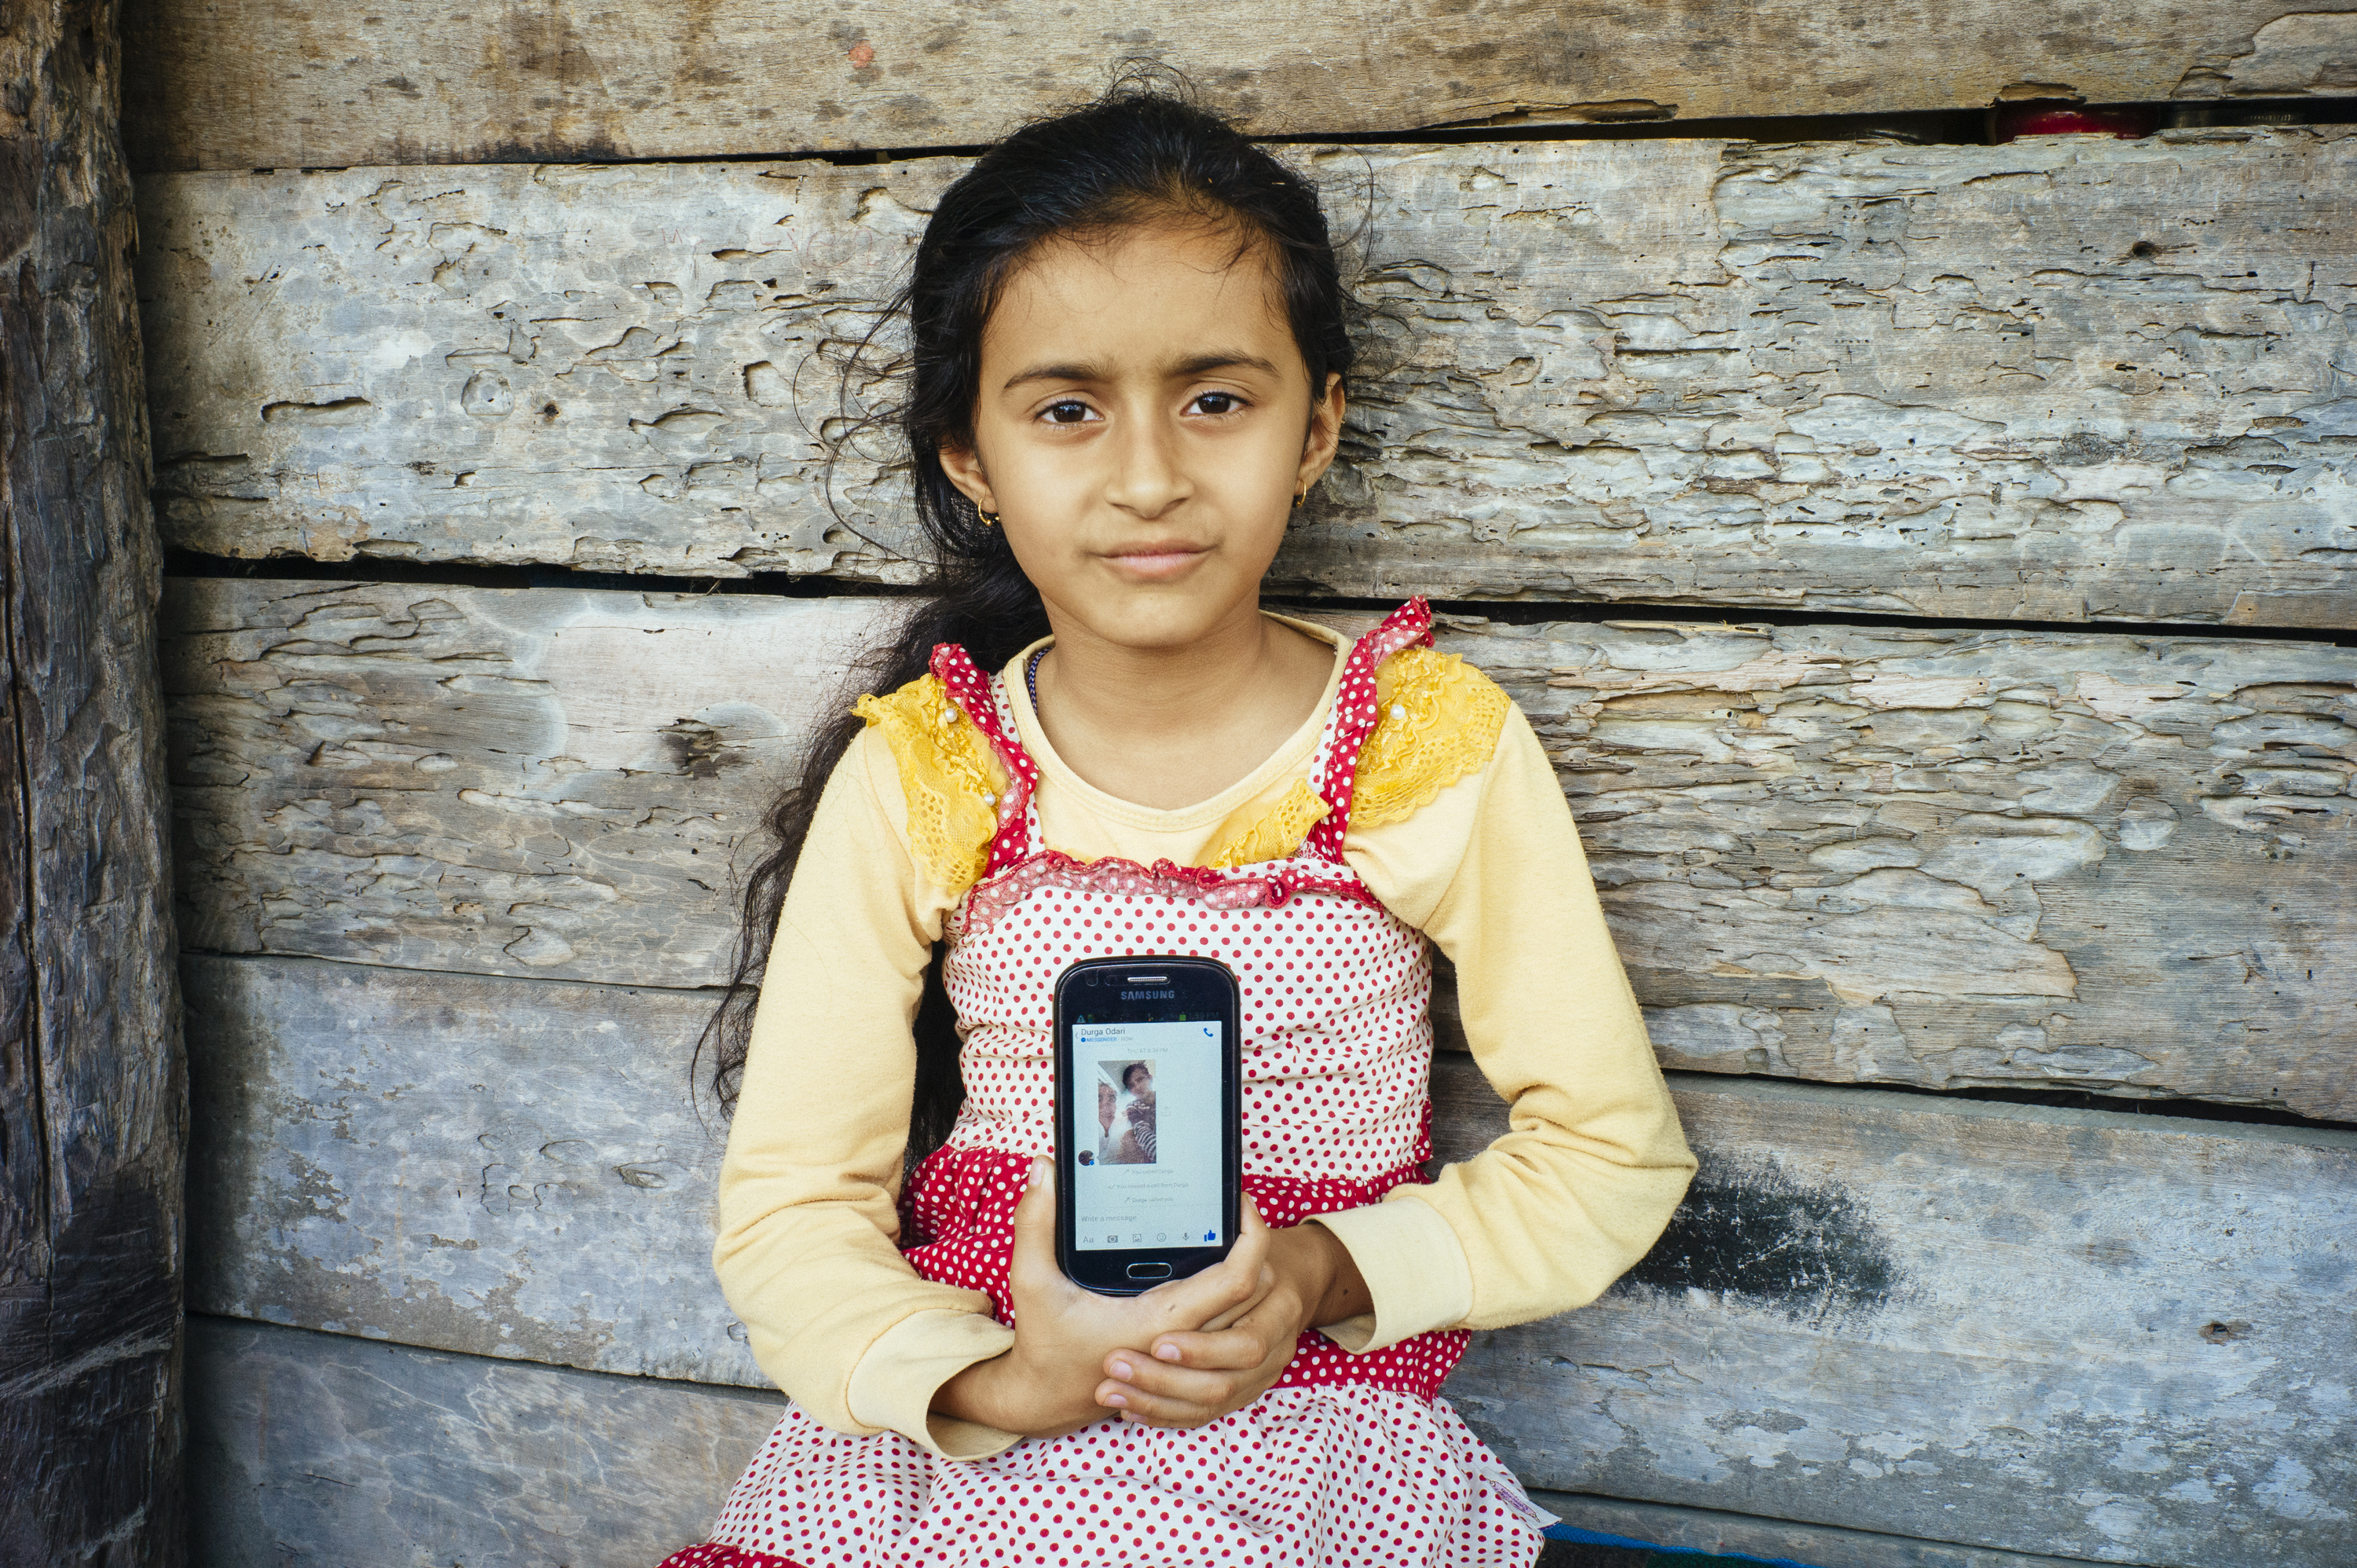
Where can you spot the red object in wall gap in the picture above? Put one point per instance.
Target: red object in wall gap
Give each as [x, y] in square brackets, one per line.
[2014, 120]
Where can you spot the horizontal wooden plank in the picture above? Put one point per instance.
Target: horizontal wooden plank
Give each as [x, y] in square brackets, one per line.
[242, 84]
[1934, 858]
[539, 783]
[315, 1447]
[2077, 1333]
[397, 1455]
[2065, 379]
[500, 1166]
[1715, 1534]
[2097, 1335]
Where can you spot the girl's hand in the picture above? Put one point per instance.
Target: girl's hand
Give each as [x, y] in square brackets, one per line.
[1191, 1378]
[1064, 1336]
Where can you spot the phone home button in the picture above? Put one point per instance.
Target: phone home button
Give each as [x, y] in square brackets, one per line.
[1149, 1270]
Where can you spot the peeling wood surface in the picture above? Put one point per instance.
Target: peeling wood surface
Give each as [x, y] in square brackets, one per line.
[2068, 378]
[525, 782]
[245, 83]
[406, 1457]
[92, 1108]
[315, 1447]
[2077, 1333]
[2086, 1333]
[1960, 859]
[500, 1166]
[1935, 858]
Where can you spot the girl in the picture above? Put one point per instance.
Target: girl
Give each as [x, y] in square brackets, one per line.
[1128, 363]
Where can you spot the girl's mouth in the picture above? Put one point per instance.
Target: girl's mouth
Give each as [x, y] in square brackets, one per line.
[1155, 563]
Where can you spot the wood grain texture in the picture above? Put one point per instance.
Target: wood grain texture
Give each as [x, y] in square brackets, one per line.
[1940, 859]
[533, 782]
[316, 1448]
[245, 83]
[2069, 378]
[506, 1167]
[2083, 1334]
[404, 1456]
[2089, 1334]
[92, 1111]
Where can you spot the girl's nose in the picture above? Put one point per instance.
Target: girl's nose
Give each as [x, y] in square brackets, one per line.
[1147, 478]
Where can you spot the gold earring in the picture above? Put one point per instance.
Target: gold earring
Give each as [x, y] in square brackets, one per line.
[989, 518]
[1299, 500]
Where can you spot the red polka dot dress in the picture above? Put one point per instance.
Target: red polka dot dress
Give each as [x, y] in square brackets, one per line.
[1349, 1459]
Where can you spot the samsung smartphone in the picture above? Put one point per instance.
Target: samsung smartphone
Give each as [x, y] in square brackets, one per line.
[1149, 1144]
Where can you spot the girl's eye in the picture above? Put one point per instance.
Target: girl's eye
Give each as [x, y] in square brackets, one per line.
[1218, 401]
[1066, 411]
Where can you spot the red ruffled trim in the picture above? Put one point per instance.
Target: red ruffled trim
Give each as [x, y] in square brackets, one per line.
[1355, 717]
[711, 1554]
[1266, 887]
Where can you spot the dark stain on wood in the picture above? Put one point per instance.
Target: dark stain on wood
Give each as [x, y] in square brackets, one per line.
[699, 750]
[1756, 1232]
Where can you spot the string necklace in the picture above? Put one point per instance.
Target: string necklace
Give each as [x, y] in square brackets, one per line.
[1031, 680]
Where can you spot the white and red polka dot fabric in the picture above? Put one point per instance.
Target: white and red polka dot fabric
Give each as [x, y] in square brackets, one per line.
[1349, 1459]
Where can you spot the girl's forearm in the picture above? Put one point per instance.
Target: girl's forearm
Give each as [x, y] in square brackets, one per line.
[1322, 1273]
[980, 1394]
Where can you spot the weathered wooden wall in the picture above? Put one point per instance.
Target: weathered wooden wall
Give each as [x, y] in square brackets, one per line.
[1939, 858]
[91, 1109]
[327, 1448]
[456, 852]
[246, 84]
[2058, 1331]
[300, 1438]
[2062, 380]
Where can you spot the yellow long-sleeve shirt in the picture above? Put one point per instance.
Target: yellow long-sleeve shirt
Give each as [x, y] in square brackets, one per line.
[1491, 869]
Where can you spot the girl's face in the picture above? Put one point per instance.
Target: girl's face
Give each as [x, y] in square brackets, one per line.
[1143, 423]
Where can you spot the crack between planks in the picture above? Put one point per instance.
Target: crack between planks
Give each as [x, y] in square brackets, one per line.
[1956, 126]
[2080, 1107]
[192, 564]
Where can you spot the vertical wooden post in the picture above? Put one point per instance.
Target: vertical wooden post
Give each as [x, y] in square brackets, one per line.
[93, 1095]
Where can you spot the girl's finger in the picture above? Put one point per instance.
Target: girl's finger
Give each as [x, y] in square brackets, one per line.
[1035, 1212]
[1245, 1308]
[1251, 1250]
[1238, 1283]
[1232, 1350]
[1210, 1390]
[1153, 1410]
[1217, 1292]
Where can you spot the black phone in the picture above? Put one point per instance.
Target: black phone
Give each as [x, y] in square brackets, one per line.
[1149, 1124]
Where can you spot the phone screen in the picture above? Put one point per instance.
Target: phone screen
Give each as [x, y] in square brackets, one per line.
[1146, 1134]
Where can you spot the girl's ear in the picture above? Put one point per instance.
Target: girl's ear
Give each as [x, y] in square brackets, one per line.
[1325, 437]
[963, 465]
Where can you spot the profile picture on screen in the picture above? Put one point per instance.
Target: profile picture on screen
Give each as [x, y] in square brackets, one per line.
[1125, 1112]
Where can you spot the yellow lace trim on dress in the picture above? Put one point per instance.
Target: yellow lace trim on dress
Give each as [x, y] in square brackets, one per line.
[1440, 719]
[949, 775]
[1278, 832]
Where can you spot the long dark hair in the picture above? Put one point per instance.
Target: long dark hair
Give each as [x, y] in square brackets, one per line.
[1137, 155]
